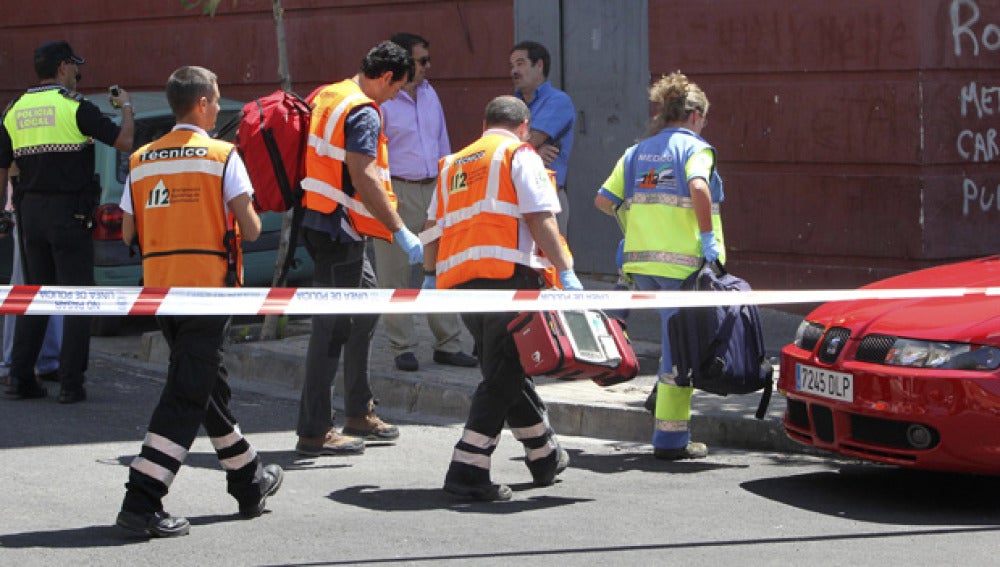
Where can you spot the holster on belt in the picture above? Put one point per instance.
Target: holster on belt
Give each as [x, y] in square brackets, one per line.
[233, 240]
[90, 197]
[18, 193]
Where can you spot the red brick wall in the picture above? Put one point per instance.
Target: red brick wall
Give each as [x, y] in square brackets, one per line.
[836, 125]
[138, 45]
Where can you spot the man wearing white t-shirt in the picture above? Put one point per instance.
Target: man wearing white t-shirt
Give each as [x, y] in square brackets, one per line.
[493, 221]
[183, 196]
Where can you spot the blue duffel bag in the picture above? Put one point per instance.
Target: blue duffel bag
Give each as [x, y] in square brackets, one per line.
[720, 349]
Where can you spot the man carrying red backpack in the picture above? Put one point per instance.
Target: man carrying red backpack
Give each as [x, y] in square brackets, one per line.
[347, 199]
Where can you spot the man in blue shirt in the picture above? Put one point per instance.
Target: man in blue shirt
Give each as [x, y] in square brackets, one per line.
[552, 114]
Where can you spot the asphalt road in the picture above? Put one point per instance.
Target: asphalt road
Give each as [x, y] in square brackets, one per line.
[63, 469]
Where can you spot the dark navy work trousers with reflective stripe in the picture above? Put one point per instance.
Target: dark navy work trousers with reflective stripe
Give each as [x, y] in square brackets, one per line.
[506, 393]
[196, 394]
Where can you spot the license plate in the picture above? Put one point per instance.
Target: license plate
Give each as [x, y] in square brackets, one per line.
[822, 382]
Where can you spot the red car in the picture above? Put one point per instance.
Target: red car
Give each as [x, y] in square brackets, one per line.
[909, 382]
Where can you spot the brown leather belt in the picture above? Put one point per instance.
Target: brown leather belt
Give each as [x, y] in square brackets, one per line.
[424, 181]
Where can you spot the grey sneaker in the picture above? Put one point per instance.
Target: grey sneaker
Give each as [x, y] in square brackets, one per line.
[692, 451]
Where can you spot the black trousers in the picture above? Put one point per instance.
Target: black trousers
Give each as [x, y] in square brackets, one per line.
[505, 394]
[338, 265]
[196, 394]
[58, 250]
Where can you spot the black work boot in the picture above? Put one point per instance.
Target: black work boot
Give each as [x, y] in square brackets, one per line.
[545, 470]
[270, 482]
[25, 389]
[153, 524]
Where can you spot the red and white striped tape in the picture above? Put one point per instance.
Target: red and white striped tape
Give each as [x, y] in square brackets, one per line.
[69, 300]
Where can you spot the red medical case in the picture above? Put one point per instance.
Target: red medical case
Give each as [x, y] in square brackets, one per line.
[574, 345]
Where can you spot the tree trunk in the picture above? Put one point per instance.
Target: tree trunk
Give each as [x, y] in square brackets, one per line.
[269, 329]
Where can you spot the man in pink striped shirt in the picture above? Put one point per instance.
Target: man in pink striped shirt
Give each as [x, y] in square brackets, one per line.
[418, 138]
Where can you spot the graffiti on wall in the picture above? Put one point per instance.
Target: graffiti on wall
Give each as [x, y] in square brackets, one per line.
[972, 37]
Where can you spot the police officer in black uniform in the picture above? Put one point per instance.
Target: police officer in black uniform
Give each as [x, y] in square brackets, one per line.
[50, 131]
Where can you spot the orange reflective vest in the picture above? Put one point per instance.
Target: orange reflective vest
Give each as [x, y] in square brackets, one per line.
[325, 155]
[477, 216]
[180, 216]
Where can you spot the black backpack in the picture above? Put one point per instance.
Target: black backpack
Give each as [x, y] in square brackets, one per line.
[721, 348]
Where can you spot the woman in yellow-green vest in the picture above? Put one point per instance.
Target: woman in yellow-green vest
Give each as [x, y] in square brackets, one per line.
[666, 192]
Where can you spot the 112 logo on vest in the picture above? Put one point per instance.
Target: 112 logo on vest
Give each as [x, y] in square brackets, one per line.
[169, 153]
[158, 197]
[458, 182]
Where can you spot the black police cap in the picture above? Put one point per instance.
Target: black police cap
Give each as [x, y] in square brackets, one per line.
[55, 52]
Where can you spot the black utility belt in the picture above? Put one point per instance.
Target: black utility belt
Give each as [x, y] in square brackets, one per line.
[75, 194]
[423, 181]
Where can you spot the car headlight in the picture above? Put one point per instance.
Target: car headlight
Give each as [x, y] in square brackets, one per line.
[930, 354]
[808, 334]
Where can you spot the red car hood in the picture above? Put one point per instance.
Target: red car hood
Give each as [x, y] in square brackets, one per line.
[973, 318]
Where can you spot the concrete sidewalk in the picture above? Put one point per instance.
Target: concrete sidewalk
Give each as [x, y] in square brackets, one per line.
[444, 392]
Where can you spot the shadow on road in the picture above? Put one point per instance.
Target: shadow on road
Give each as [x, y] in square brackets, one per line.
[888, 495]
[288, 460]
[372, 497]
[638, 461]
[94, 536]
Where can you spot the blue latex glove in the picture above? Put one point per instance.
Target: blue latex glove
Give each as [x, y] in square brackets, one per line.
[569, 281]
[620, 254]
[410, 244]
[710, 246]
[430, 282]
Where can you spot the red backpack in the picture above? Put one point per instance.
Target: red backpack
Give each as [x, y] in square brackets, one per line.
[271, 138]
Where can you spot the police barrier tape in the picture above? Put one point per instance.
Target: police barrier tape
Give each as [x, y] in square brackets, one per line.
[76, 300]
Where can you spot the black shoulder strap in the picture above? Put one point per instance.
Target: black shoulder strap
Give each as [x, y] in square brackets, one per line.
[765, 396]
[277, 163]
[298, 212]
[223, 131]
[72, 95]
